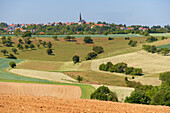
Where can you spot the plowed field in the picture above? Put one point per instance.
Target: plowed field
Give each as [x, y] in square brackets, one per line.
[30, 104]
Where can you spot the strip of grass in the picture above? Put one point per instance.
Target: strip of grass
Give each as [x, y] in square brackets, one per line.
[86, 90]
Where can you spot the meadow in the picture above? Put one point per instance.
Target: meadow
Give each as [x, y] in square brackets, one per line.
[165, 46]
[64, 50]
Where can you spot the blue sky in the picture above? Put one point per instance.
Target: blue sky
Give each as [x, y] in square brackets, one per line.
[130, 12]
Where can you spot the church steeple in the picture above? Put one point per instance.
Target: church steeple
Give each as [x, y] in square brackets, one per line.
[80, 17]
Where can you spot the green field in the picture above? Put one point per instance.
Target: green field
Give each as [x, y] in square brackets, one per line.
[4, 75]
[159, 34]
[109, 35]
[165, 46]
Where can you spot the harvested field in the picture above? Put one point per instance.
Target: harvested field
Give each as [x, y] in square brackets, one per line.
[52, 76]
[121, 92]
[54, 65]
[25, 104]
[150, 63]
[29, 89]
[149, 80]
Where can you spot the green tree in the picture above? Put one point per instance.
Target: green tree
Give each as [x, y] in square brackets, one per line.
[91, 55]
[28, 41]
[49, 45]
[20, 46]
[138, 97]
[20, 41]
[49, 51]
[165, 77]
[32, 46]
[14, 50]
[132, 43]
[4, 51]
[103, 93]
[129, 70]
[27, 34]
[76, 59]
[164, 51]
[11, 56]
[12, 64]
[87, 39]
[55, 38]
[38, 45]
[44, 43]
[98, 49]
[79, 78]
[26, 46]
[136, 71]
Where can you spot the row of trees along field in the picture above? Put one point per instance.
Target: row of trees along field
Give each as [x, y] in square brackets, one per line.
[154, 49]
[120, 68]
[154, 95]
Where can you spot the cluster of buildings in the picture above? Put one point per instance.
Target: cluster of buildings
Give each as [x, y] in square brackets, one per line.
[132, 28]
[81, 21]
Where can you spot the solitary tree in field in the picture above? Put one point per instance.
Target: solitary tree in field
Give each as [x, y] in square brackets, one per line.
[12, 64]
[14, 50]
[55, 38]
[26, 46]
[20, 46]
[88, 39]
[79, 79]
[4, 51]
[38, 45]
[49, 51]
[49, 44]
[44, 43]
[20, 41]
[32, 46]
[75, 59]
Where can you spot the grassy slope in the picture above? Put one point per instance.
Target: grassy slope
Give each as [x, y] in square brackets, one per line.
[65, 50]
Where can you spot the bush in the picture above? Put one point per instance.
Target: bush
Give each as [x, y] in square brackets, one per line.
[14, 50]
[110, 38]
[102, 67]
[165, 77]
[12, 64]
[55, 38]
[136, 71]
[98, 49]
[151, 39]
[138, 97]
[75, 59]
[79, 79]
[132, 43]
[32, 46]
[129, 70]
[103, 93]
[88, 39]
[11, 56]
[91, 55]
[49, 45]
[26, 34]
[133, 84]
[49, 51]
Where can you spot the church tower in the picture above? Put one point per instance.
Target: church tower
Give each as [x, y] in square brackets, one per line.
[80, 17]
[81, 21]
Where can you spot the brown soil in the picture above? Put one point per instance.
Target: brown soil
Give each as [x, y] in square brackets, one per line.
[25, 89]
[30, 104]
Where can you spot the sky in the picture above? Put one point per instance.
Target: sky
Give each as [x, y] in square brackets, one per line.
[129, 12]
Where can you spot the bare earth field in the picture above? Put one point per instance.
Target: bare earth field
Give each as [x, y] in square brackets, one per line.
[30, 104]
[29, 89]
[150, 63]
[53, 76]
